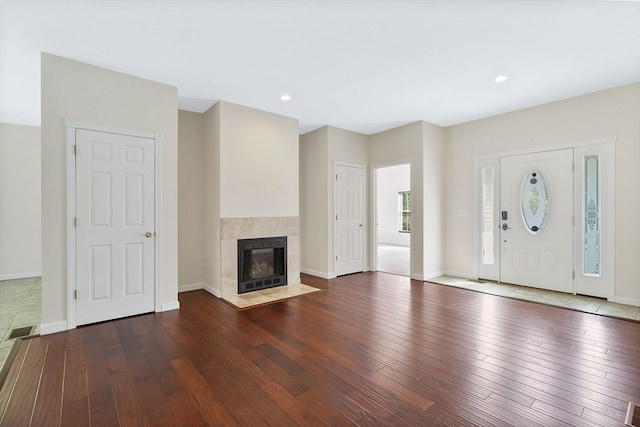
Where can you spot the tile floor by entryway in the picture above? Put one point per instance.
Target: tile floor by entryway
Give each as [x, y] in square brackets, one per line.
[559, 299]
[20, 305]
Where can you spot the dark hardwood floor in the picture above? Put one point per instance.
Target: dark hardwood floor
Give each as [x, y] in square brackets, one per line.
[370, 349]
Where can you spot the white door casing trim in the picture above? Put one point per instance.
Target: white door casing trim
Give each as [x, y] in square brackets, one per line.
[71, 127]
[577, 144]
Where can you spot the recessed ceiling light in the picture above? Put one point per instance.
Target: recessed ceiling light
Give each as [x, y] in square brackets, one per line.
[285, 97]
[500, 79]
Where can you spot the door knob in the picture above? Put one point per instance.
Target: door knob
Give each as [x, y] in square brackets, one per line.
[148, 234]
[505, 227]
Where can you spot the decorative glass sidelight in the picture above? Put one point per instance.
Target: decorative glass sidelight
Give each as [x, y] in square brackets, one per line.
[591, 211]
[534, 201]
[488, 222]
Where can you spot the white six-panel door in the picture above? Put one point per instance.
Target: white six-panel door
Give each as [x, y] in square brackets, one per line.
[349, 221]
[114, 226]
[542, 259]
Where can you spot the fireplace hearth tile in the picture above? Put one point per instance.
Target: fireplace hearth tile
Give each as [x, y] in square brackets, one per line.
[268, 296]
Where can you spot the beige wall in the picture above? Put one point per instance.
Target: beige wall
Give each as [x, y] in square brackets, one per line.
[251, 170]
[405, 145]
[211, 199]
[613, 112]
[20, 213]
[314, 202]
[434, 189]
[320, 150]
[72, 90]
[418, 143]
[190, 200]
[259, 172]
[353, 148]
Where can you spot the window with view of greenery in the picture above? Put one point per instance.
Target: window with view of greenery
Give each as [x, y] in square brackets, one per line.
[404, 208]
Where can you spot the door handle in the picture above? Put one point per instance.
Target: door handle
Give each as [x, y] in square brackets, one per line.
[505, 227]
[148, 234]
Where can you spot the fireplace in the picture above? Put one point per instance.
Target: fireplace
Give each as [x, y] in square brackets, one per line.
[262, 263]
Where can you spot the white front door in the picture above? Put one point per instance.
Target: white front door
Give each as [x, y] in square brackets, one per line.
[349, 214]
[114, 226]
[536, 220]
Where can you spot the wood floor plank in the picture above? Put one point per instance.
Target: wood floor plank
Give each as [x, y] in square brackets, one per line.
[107, 417]
[211, 408]
[10, 380]
[75, 413]
[223, 386]
[47, 408]
[128, 402]
[180, 410]
[369, 349]
[23, 396]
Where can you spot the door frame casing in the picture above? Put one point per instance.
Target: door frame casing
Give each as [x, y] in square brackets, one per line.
[335, 213]
[157, 138]
[609, 176]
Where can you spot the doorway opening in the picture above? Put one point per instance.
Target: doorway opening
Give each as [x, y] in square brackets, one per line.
[393, 219]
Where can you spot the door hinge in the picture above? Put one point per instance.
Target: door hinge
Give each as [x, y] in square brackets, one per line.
[573, 220]
[336, 217]
[336, 177]
[573, 167]
[75, 150]
[336, 257]
[573, 274]
[75, 221]
[75, 294]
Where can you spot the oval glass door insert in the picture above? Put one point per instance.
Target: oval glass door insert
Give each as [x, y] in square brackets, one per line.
[534, 201]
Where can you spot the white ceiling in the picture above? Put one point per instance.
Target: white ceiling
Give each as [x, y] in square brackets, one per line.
[366, 66]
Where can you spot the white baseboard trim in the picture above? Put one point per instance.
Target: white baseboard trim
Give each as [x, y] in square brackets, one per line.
[627, 301]
[168, 306]
[417, 277]
[433, 275]
[14, 276]
[52, 328]
[213, 291]
[317, 273]
[191, 287]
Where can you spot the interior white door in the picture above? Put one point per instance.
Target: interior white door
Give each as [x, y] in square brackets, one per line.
[539, 252]
[114, 226]
[349, 225]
